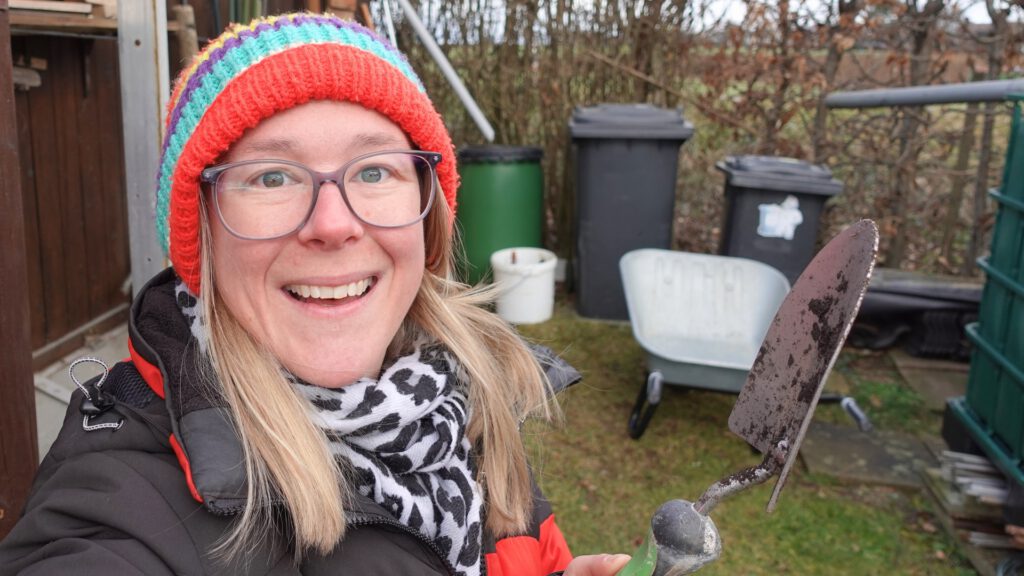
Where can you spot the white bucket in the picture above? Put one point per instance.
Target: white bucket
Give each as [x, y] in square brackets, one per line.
[526, 282]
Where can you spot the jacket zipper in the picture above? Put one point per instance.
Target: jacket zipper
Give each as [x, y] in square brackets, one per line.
[364, 520]
[224, 512]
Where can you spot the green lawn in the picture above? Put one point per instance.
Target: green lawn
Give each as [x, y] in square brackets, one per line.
[604, 486]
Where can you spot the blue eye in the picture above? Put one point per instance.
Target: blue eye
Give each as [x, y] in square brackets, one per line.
[273, 179]
[372, 174]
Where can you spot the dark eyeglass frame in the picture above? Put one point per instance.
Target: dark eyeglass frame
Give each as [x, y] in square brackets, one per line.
[209, 176]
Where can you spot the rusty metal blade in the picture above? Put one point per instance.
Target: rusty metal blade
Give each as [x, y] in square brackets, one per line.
[778, 399]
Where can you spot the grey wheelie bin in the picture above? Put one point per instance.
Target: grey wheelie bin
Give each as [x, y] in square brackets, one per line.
[626, 161]
[773, 209]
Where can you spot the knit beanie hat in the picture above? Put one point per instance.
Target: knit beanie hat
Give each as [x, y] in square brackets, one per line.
[252, 72]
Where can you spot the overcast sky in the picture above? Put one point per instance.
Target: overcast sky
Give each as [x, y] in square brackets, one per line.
[734, 9]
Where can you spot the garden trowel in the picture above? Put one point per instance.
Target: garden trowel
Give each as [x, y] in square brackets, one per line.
[777, 401]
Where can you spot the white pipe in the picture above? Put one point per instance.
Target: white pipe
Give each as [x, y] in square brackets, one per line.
[145, 86]
[447, 70]
[388, 21]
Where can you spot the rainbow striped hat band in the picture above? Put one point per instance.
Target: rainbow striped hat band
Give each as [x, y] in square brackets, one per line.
[252, 72]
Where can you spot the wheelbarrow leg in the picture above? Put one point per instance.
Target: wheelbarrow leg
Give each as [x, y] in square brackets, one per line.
[851, 407]
[646, 402]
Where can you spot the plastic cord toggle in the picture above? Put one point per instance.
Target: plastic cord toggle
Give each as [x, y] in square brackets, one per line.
[96, 401]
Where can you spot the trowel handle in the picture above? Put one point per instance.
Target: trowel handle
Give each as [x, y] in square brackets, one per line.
[644, 560]
[680, 541]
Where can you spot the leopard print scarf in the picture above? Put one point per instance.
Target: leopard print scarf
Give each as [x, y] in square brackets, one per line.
[404, 435]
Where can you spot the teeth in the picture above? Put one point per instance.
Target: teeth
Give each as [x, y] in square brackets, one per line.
[330, 292]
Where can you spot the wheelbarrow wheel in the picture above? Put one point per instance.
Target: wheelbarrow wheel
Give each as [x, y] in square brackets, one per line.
[646, 402]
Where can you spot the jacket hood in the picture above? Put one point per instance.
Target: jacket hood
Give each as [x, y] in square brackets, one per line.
[167, 356]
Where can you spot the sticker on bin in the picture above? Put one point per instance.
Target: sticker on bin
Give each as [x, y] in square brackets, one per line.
[780, 220]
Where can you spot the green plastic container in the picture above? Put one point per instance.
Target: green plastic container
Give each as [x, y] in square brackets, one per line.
[993, 409]
[500, 204]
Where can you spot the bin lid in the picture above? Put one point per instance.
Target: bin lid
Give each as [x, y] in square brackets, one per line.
[630, 121]
[494, 154]
[778, 173]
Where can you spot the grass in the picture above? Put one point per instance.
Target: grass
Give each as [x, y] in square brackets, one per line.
[604, 486]
[873, 380]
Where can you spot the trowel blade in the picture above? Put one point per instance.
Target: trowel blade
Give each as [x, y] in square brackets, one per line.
[778, 399]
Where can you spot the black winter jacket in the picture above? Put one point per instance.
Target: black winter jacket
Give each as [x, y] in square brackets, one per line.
[155, 494]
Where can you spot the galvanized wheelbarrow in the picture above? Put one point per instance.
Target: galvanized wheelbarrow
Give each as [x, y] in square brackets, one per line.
[700, 318]
[776, 402]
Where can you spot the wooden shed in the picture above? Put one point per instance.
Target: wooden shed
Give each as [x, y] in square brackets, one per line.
[68, 213]
[72, 182]
[71, 151]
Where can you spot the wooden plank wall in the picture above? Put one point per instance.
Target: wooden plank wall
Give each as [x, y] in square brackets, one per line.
[18, 455]
[72, 178]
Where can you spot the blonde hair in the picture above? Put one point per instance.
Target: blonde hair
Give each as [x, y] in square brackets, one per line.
[287, 456]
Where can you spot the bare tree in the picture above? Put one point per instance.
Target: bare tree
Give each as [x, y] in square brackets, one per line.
[754, 87]
[841, 36]
[996, 45]
[920, 22]
[956, 196]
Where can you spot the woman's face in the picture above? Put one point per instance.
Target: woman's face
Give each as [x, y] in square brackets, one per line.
[327, 341]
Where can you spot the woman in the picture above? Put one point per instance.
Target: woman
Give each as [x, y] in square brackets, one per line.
[308, 391]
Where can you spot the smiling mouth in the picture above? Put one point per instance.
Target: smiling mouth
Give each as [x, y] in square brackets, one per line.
[330, 294]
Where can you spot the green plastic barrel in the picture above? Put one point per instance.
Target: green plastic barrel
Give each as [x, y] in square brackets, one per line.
[500, 204]
[993, 409]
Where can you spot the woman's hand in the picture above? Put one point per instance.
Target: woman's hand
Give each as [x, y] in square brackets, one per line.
[596, 565]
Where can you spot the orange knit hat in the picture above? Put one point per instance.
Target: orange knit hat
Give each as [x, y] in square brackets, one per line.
[252, 72]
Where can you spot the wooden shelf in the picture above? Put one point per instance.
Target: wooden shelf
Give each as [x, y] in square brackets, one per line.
[29, 21]
[51, 6]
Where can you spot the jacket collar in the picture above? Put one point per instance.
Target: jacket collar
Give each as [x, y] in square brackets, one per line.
[167, 356]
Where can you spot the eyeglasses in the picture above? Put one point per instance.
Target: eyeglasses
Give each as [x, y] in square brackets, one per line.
[267, 199]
